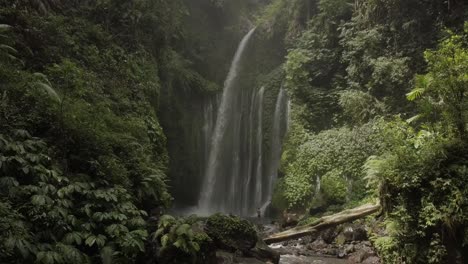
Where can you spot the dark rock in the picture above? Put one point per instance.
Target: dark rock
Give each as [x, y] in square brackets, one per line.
[224, 257]
[348, 233]
[359, 234]
[249, 261]
[361, 255]
[317, 210]
[354, 233]
[238, 253]
[262, 252]
[317, 244]
[329, 235]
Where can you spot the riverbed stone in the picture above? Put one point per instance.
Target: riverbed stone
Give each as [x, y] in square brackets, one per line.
[364, 255]
[349, 249]
[372, 260]
[329, 235]
[348, 233]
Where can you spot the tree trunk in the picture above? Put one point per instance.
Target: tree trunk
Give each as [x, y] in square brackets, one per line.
[324, 223]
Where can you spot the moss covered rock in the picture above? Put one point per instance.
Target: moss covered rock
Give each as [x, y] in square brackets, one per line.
[231, 233]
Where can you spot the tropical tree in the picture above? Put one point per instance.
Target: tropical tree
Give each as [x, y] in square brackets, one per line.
[442, 93]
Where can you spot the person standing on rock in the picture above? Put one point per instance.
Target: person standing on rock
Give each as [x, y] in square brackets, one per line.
[259, 213]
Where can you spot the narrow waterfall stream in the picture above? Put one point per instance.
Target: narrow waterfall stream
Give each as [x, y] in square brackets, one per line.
[236, 180]
[280, 123]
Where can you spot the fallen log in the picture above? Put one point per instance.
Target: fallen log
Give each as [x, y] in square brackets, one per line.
[324, 223]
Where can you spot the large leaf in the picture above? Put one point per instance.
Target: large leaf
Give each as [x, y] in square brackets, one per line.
[4, 27]
[49, 90]
[415, 94]
[90, 241]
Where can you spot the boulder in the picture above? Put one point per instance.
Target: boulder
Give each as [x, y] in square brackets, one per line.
[262, 252]
[354, 233]
[359, 234]
[224, 257]
[231, 233]
[349, 249]
[371, 260]
[364, 255]
[329, 235]
[348, 233]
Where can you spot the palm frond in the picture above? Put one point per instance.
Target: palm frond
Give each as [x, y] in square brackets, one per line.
[413, 119]
[415, 94]
[8, 49]
[45, 84]
[4, 27]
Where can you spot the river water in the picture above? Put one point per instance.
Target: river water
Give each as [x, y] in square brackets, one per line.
[291, 259]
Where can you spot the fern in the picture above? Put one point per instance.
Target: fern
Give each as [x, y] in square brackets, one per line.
[415, 94]
[44, 83]
[176, 233]
[423, 83]
[4, 27]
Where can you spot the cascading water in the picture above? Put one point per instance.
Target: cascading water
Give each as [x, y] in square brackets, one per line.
[259, 153]
[280, 126]
[209, 200]
[235, 180]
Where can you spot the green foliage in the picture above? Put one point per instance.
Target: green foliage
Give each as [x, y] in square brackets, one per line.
[334, 187]
[422, 188]
[78, 191]
[68, 217]
[333, 157]
[282, 17]
[442, 92]
[422, 177]
[314, 68]
[231, 232]
[174, 233]
[183, 241]
[360, 107]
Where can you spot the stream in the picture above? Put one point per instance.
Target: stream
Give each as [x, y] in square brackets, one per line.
[290, 251]
[354, 248]
[291, 259]
[288, 256]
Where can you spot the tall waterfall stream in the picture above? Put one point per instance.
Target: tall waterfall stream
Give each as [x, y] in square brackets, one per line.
[239, 176]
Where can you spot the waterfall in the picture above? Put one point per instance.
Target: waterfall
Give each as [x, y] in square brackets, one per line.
[280, 124]
[259, 150]
[238, 176]
[216, 195]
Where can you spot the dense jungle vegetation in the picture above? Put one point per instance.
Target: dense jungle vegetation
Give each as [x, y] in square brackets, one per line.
[97, 106]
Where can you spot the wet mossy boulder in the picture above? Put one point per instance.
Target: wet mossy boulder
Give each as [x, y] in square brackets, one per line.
[231, 233]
